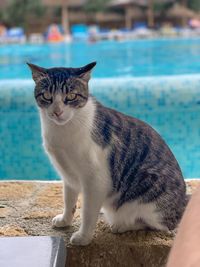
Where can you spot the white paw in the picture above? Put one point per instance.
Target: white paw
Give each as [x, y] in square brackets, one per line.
[78, 239]
[59, 221]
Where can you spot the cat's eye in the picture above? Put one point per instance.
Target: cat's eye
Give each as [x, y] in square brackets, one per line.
[70, 97]
[47, 96]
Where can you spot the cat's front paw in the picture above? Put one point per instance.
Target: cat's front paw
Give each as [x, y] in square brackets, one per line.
[60, 221]
[78, 239]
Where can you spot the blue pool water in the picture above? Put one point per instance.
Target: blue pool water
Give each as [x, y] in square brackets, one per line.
[126, 59]
[169, 100]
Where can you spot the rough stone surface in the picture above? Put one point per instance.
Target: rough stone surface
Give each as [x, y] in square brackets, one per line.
[12, 230]
[27, 208]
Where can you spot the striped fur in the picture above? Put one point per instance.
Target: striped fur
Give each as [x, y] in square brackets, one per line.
[117, 162]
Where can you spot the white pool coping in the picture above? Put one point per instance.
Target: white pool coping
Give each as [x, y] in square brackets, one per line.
[118, 78]
[60, 181]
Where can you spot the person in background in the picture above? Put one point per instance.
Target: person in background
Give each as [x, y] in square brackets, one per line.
[54, 34]
[3, 29]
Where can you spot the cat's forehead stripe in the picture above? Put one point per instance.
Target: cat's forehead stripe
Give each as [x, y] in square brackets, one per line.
[56, 85]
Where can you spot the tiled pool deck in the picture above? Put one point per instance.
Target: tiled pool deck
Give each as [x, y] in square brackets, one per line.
[26, 209]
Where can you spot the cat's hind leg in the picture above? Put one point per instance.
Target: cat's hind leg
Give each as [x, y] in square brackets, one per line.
[134, 216]
[123, 219]
[119, 228]
[153, 223]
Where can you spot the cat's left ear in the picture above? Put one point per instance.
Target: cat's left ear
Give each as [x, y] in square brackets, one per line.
[38, 73]
[85, 72]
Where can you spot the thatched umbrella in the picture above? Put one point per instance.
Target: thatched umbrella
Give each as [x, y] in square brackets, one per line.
[130, 11]
[128, 2]
[65, 5]
[133, 13]
[149, 4]
[77, 16]
[179, 11]
[99, 17]
[108, 17]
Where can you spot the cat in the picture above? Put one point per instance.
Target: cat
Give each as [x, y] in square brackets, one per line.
[117, 162]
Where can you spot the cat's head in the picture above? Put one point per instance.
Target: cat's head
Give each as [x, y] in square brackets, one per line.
[60, 92]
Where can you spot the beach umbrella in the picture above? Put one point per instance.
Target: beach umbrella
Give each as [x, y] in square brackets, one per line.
[179, 11]
[65, 5]
[144, 3]
[108, 17]
[135, 13]
[69, 3]
[77, 16]
[99, 17]
[149, 4]
[130, 10]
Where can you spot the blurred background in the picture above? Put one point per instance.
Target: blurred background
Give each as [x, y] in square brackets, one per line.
[165, 17]
[148, 66]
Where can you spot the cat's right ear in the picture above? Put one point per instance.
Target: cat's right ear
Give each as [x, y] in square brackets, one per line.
[38, 73]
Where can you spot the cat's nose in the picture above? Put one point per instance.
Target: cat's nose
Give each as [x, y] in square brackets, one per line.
[58, 113]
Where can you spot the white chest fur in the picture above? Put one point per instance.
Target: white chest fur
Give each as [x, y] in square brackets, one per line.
[71, 148]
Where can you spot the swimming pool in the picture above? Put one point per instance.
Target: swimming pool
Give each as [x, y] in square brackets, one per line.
[170, 103]
[137, 58]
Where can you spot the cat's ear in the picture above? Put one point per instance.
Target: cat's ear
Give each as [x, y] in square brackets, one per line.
[38, 73]
[86, 71]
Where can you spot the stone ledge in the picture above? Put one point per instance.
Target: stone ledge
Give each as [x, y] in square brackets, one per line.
[26, 209]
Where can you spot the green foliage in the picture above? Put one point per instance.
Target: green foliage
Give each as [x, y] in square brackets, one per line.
[18, 12]
[96, 5]
[162, 7]
[194, 4]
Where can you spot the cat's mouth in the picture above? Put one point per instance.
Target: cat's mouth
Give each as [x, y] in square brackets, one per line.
[60, 120]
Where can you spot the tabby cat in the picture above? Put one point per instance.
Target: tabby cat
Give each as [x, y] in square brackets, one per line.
[117, 162]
